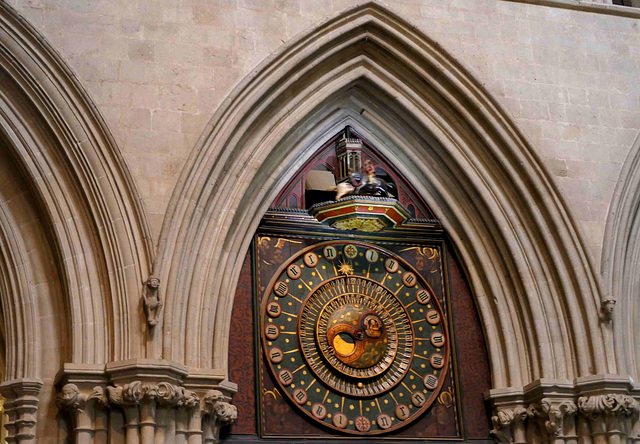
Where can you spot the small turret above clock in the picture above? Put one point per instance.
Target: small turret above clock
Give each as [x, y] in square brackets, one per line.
[347, 164]
[348, 185]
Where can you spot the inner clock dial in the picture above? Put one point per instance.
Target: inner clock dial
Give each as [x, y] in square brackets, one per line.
[353, 337]
[362, 333]
[356, 339]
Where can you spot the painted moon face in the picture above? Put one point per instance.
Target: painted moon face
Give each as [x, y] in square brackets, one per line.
[356, 338]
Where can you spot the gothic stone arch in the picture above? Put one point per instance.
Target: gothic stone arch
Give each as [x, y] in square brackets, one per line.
[621, 263]
[87, 194]
[537, 294]
[78, 210]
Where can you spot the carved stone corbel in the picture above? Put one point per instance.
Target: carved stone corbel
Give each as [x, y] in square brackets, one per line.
[607, 307]
[217, 413]
[610, 416]
[634, 427]
[509, 425]
[87, 412]
[168, 395]
[151, 301]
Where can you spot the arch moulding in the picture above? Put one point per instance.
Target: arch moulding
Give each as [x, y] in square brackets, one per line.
[90, 230]
[86, 194]
[535, 290]
[621, 262]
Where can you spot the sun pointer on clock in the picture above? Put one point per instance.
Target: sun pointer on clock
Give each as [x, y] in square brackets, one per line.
[345, 268]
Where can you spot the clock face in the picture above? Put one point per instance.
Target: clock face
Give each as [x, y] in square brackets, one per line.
[354, 337]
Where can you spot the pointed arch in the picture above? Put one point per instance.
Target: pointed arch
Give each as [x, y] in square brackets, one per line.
[535, 290]
[18, 302]
[83, 194]
[621, 262]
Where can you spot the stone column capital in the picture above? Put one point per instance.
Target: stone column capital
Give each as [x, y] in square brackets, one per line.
[72, 398]
[21, 387]
[218, 412]
[21, 407]
[156, 397]
[215, 404]
[127, 394]
[612, 404]
[552, 412]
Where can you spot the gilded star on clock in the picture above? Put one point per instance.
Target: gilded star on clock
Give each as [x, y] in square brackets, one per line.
[345, 268]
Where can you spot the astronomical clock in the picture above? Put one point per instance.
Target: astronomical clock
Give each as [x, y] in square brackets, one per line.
[354, 318]
[354, 337]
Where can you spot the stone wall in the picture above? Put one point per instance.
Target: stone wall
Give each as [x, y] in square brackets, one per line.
[157, 71]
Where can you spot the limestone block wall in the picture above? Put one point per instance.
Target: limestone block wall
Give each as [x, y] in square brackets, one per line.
[157, 71]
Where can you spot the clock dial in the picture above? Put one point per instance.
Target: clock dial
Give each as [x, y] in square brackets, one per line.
[358, 330]
[354, 337]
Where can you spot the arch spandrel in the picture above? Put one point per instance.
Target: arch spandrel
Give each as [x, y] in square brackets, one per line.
[534, 287]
